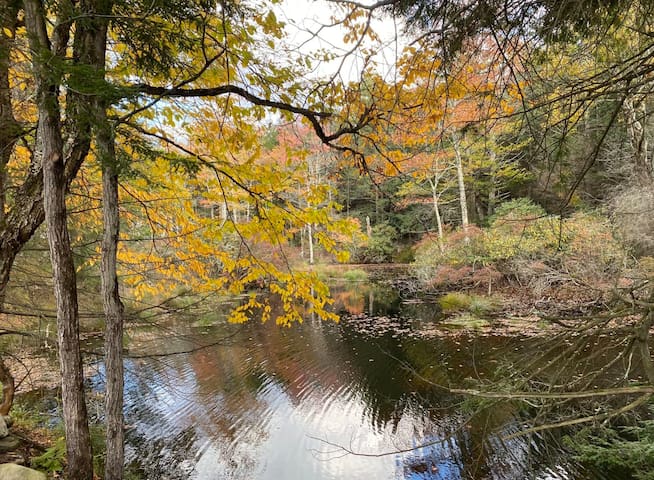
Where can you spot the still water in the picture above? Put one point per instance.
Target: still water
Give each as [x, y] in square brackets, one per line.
[357, 399]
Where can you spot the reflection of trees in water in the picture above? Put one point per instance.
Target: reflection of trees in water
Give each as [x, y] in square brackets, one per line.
[223, 398]
[467, 433]
[371, 298]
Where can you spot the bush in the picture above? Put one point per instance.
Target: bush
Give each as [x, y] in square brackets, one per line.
[53, 459]
[355, 275]
[519, 210]
[524, 243]
[454, 302]
[481, 306]
[475, 304]
[379, 248]
[627, 451]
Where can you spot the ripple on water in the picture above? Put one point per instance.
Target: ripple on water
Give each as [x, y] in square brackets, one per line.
[290, 404]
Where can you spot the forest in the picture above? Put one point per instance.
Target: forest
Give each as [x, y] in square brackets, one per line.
[231, 231]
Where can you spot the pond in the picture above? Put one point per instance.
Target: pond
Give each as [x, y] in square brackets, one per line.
[357, 399]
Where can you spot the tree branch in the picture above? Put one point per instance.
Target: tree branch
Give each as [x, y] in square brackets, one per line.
[311, 115]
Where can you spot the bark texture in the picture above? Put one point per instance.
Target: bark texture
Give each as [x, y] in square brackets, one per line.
[463, 202]
[78, 443]
[8, 386]
[113, 307]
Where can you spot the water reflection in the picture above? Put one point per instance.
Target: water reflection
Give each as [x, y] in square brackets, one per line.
[353, 400]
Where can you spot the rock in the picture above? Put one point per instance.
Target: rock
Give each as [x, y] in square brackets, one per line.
[4, 430]
[8, 444]
[11, 471]
[8, 420]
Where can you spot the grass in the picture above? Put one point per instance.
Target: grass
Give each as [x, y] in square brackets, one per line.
[326, 272]
[355, 275]
[455, 302]
[481, 306]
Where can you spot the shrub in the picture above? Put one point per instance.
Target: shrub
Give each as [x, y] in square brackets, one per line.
[475, 304]
[380, 247]
[523, 242]
[355, 275]
[481, 306]
[454, 302]
[518, 210]
[53, 459]
[626, 451]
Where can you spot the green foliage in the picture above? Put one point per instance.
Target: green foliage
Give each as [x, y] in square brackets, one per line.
[522, 241]
[519, 227]
[628, 450]
[53, 459]
[26, 418]
[355, 275]
[475, 304]
[406, 254]
[454, 302]
[379, 247]
[518, 209]
[483, 305]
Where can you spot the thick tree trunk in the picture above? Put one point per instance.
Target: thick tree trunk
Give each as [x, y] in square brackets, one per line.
[9, 127]
[78, 444]
[114, 330]
[90, 41]
[113, 307]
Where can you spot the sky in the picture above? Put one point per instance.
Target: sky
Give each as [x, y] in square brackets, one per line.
[310, 24]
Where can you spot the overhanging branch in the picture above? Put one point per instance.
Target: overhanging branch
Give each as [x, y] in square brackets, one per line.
[314, 117]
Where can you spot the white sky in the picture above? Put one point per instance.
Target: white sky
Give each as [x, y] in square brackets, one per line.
[306, 16]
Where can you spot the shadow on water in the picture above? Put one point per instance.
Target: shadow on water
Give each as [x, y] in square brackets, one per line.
[322, 400]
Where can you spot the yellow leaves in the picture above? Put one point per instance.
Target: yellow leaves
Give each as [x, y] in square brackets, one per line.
[270, 24]
[225, 230]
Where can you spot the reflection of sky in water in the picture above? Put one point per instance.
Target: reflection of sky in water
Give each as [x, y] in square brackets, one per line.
[285, 440]
[275, 404]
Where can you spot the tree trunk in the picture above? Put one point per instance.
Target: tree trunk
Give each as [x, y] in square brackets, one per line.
[492, 190]
[435, 197]
[310, 241]
[113, 307]
[78, 443]
[635, 114]
[439, 223]
[463, 202]
[642, 341]
[9, 128]
[492, 198]
[8, 386]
